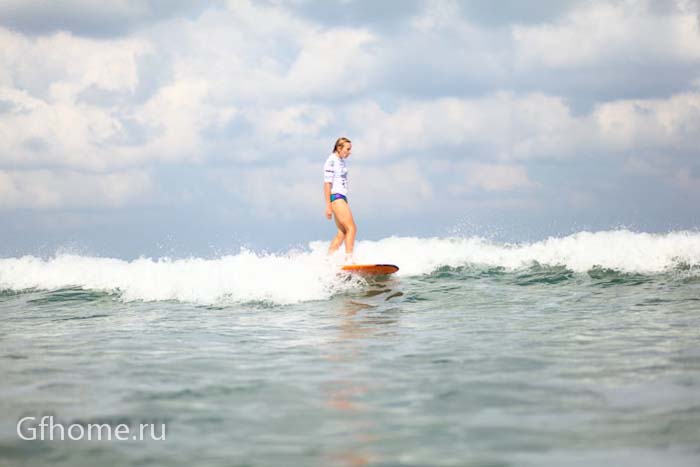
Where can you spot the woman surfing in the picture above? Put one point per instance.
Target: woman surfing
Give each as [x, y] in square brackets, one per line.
[335, 191]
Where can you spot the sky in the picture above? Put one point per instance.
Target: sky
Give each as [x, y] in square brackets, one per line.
[177, 128]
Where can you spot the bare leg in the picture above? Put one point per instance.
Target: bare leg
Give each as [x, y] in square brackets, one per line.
[346, 224]
[336, 242]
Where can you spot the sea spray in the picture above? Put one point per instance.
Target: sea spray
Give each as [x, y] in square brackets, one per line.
[301, 276]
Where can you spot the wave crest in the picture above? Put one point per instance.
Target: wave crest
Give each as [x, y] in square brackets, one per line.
[299, 276]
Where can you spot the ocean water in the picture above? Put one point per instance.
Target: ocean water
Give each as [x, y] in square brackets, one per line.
[569, 351]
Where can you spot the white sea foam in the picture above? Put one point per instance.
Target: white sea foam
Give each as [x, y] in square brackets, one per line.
[299, 276]
[619, 250]
[244, 277]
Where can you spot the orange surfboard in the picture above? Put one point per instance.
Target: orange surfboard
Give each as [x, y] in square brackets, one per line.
[371, 269]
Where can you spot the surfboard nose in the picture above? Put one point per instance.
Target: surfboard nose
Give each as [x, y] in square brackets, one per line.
[371, 269]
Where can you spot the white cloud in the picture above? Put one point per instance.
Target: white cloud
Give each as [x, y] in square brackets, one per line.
[87, 17]
[677, 174]
[38, 133]
[59, 189]
[639, 166]
[294, 188]
[506, 127]
[509, 126]
[498, 177]
[671, 124]
[48, 124]
[266, 67]
[296, 120]
[249, 81]
[690, 183]
[400, 186]
[267, 55]
[598, 33]
[179, 112]
[59, 66]
[437, 15]
[291, 189]
[334, 62]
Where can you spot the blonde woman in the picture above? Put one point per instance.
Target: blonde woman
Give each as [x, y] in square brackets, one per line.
[335, 191]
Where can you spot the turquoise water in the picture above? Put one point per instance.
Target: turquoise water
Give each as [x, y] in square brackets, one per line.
[491, 355]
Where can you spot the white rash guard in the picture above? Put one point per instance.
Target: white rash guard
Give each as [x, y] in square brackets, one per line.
[335, 172]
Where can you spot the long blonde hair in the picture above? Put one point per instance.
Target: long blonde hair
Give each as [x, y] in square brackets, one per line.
[340, 142]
